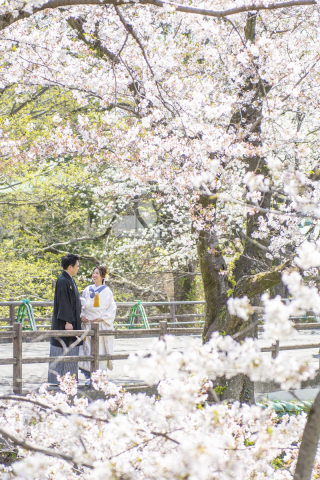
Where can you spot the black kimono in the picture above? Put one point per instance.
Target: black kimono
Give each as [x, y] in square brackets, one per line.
[66, 308]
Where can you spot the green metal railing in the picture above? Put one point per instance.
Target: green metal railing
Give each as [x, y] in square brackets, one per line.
[138, 311]
[26, 311]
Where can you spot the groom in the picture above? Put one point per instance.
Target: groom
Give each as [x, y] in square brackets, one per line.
[66, 316]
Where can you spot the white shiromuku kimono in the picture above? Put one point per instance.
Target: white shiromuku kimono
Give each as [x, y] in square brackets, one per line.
[106, 311]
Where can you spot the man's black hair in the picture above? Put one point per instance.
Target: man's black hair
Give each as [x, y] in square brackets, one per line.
[70, 259]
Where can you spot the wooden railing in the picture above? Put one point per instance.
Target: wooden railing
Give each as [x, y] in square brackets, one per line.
[171, 316]
[18, 334]
[15, 332]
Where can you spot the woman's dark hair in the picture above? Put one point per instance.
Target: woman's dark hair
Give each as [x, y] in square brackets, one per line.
[70, 259]
[102, 271]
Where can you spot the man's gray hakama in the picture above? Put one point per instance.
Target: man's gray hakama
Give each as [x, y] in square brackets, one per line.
[61, 368]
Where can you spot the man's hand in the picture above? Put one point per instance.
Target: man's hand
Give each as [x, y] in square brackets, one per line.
[84, 319]
[69, 326]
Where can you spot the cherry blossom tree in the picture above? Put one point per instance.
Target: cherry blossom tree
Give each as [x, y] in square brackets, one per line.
[198, 105]
[219, 109]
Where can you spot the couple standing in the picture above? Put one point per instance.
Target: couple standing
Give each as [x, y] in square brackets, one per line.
[72, 312]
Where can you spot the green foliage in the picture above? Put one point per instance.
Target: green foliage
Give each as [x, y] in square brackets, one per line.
[278, 463]
[7, 457]
[219, 390]
[27, 277]
[248, 443]
[50, 213]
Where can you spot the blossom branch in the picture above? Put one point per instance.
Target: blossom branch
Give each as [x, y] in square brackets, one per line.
[7, 19]
[225, 198]
[53, 409]
[46, 451]
[131, 31]
[77, 25]
[164, 435]
[254, 242]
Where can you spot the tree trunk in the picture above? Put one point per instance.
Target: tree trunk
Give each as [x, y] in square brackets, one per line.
[309, 444]
[215, 284]
[253, 259]
[252, 272]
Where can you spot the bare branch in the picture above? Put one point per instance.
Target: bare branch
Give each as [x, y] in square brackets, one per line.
[22, 105]
[139, 289]
[88, 258]
[246, 330]
[200, 11]
[138, 215]
[52, 247]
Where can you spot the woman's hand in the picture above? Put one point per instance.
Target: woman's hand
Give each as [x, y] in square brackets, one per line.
[97, 320]
[84, 319]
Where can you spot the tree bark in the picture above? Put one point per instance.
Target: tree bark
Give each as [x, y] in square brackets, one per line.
[309, 444]
[215, 283]
[252, 273]
[253, 259]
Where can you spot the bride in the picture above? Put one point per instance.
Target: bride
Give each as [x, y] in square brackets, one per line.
[98, 306]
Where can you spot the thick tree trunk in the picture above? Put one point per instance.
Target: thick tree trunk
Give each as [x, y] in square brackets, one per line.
[252, 272]
[215, 284]
[309, 443]
[253, 259]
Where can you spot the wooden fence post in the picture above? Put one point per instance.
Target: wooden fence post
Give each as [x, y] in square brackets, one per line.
[12, 312]
[163, 328]
[275, 351]
[95, 347]
[173, 311]
[17, 354]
